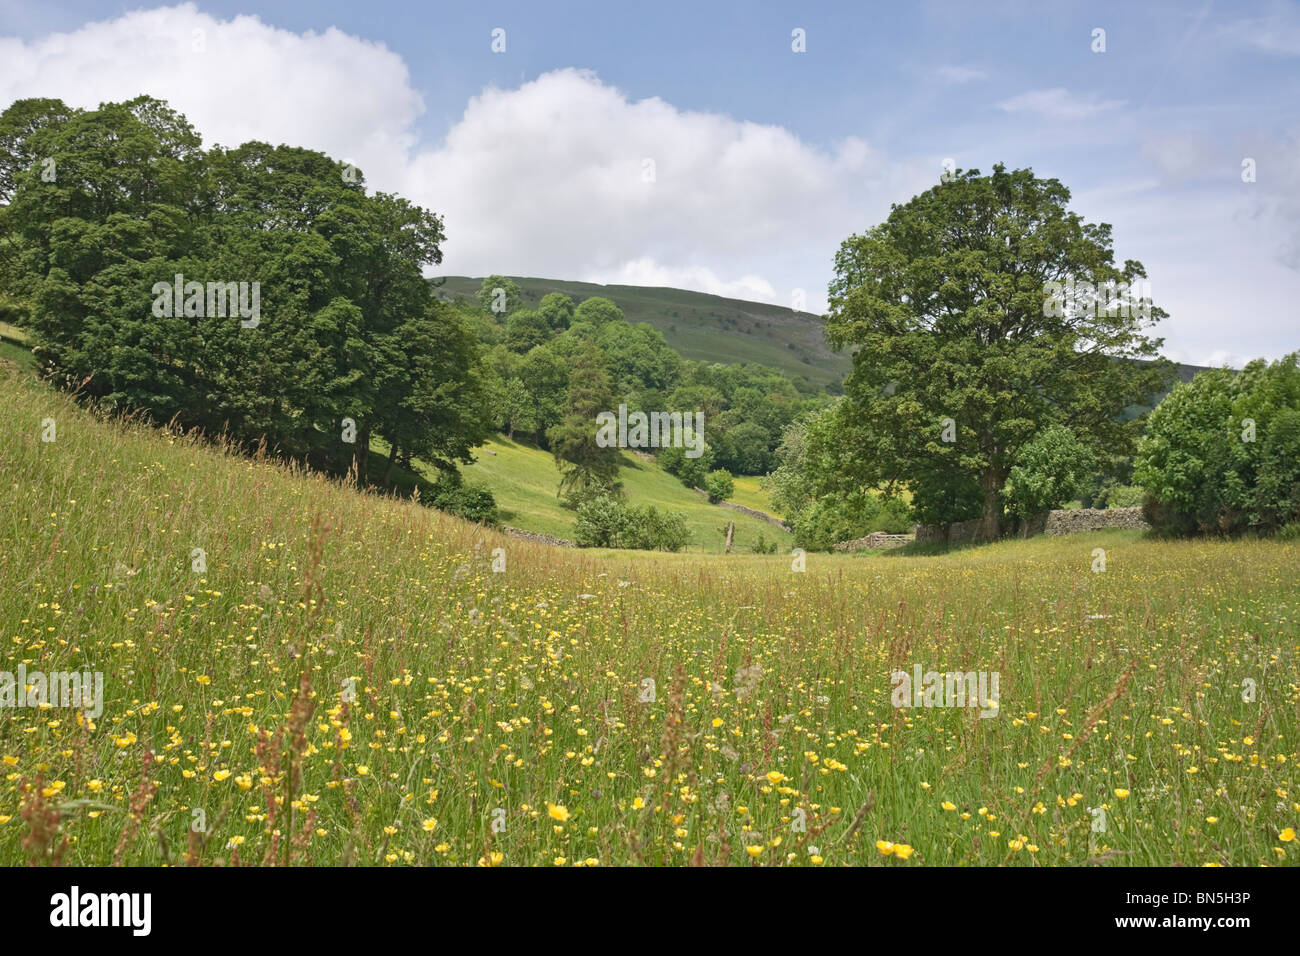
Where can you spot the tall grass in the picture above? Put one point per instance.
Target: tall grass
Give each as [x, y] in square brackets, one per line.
[349, 681]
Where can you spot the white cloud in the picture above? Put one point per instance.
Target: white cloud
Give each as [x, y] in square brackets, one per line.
[248, 81]
[1058, 103]
[567, 176]
[1278, 33]
[547, 179]
[647, 272]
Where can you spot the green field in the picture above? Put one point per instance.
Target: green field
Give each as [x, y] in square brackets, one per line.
[348, 681]
[524, 480]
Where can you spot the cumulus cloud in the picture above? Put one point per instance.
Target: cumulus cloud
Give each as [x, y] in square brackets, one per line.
[567, 175]
[563, 176]
[235, 80]
[1058, 103]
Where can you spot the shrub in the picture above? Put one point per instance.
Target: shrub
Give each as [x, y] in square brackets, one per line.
[650, 529]
[719, 484]
[1290, 532]
[1049, 471]
[1221, 453]
[601, 523]
[472, 502]
[1119, 496]
[605, 522]
[832, 520]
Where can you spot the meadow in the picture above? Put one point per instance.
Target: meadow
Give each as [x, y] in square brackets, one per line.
[524, 479]
[344, 679]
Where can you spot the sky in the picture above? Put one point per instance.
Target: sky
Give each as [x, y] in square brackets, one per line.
[695, 145]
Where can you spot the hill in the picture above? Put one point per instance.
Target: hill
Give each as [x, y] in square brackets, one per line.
[524, 479]
[703, 327]
[711, 328]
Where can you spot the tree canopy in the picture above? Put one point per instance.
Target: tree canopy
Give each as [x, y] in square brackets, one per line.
[980, 313]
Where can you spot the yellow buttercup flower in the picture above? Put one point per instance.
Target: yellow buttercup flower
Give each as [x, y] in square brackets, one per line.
[557, 812]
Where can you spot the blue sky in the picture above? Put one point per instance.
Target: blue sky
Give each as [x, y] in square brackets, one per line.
[765, 159]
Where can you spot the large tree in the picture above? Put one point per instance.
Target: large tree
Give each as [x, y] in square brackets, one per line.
[973, 328]
[586, 467]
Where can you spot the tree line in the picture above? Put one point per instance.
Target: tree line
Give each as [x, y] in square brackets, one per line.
[101, 208]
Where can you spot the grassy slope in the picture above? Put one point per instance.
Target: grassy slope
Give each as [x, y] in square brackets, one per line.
[705, 327]
[479, 690]
[524, 480]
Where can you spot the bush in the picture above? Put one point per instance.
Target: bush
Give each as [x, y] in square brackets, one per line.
[1290, 532]
[691, 471]
[719, 484]
[763, 546]
[1119, 496]
[1050, 470]
[601, 523]
[1221, 453]
[650, 529]
[472, 502]
[605, 522]
[832, 520]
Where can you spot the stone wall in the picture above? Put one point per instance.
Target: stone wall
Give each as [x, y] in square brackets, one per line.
[538, 537]
[1095, 519]
[753, 513]
[876, 540]
[1061, 521]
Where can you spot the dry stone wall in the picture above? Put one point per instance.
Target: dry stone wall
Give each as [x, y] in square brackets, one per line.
[1061, 521]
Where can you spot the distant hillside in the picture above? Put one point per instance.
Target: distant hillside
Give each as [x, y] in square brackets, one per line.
[702, 327]
[710, 328]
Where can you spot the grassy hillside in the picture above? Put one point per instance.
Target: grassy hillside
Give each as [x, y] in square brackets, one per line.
[710, 328]
[348, 681]
[524, 480]
[705, 328]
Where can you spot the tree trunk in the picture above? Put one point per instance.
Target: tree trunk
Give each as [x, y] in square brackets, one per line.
[361, 457]
[990, 528]
[392, 460]
[731, 529]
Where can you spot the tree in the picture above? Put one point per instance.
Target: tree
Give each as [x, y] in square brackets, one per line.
[546, 377]
[597, 310]
[499, 295]
[586, 468]
[975, 317]
[525, 329]
[1221, 453]
[557, 309]
[302, 319]
[1050, 470]
[517, 409]
[719, 484]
